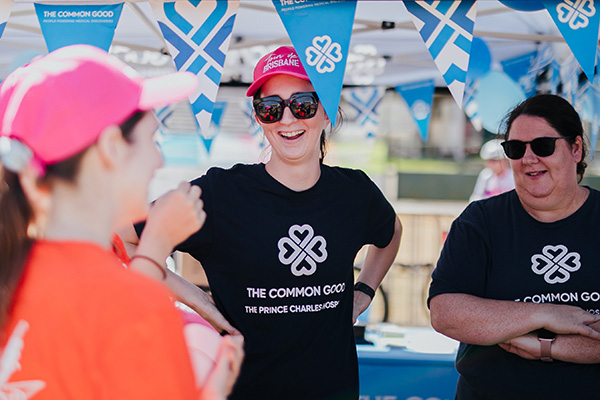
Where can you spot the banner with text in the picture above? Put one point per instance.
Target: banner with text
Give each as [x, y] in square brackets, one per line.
[419, 97]
[578, 22]
[323, 49]
[63, 25]
[5, 8]
[198, 33]
[447, 30]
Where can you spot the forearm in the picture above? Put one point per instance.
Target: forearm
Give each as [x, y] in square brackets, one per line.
[576, 349]
[188, 293]
[378, 261]
[476, 320]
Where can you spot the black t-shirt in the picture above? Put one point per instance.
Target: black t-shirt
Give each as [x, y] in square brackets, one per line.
[496, 250]
[279, 264]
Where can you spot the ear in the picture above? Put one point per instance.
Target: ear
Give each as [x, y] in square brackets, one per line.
[577, 149]
[111, 146]
[39, 195]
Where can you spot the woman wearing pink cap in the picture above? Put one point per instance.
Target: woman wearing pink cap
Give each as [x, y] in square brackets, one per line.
[77, 153]
[279, 242]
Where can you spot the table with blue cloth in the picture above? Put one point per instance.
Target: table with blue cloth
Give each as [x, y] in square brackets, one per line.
[405, 363]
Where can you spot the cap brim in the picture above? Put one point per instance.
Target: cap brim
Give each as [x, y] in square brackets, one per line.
[260, 81]
[167, 89]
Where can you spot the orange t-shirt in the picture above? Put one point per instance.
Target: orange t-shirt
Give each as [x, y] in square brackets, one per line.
[83, 327]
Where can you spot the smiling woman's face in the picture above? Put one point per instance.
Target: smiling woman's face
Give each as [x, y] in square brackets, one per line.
[543, 179]
[293, 140]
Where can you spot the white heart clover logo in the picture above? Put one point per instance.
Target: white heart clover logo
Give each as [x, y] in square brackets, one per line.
[555, 263]
[576, 14]
[323, 54]
[302, 250]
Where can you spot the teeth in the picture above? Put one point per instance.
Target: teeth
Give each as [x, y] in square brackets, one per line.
[291, 134]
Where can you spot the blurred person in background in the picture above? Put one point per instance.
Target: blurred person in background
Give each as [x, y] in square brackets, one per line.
[496, 177]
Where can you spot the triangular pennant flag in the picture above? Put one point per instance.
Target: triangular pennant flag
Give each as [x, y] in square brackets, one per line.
[198, 33]
[63, 25]
[419, 97]
[363, 102]
[471, 107]
[447, 30]
[248, 111]
[5, 8]
[520, 71]
[578, 22]
[323, 49]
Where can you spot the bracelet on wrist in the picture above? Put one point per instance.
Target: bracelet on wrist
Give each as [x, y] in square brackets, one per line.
[366, 289]
[162, 269]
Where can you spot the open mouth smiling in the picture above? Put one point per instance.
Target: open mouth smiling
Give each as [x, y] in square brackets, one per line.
[291, 135]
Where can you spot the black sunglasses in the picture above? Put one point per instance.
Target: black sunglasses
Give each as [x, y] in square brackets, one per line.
[302, 105]
[541, 147]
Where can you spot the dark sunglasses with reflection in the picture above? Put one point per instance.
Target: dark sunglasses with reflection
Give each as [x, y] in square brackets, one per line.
[541, 147]
[303, 105]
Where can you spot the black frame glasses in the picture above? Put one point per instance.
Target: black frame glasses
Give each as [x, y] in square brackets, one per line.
[303, 105]
[541, 147]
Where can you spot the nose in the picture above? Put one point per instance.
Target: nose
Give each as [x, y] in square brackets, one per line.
[287, 116]
[529, 155]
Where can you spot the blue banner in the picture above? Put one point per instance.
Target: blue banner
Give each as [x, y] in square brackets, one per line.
[5, 8]
[447, 30]
[198, 33]
[471, 107]
[578, 22]
[320, 32]
[520, 70]
[419, 97]
[215, 124]
[63, 25]
[248, 110]
[363, 102]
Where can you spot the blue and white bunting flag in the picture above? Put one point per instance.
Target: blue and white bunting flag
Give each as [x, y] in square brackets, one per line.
[520, 69]
[447, 30]
[63, 25]
[470, 105]
[419, 97]
[198, 33]
[578, 22]
[363, 102]
[248, 110]
[215, 124]
[320, 32]
[5, 8]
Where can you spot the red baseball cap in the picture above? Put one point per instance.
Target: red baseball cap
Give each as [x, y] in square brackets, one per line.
[283, 60]
[59, 104]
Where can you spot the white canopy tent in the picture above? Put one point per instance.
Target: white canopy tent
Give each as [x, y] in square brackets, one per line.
[385, 47]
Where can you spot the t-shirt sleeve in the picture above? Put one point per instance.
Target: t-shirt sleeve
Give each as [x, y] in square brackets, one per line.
[201, 241]
[381, 217]
[465, 257]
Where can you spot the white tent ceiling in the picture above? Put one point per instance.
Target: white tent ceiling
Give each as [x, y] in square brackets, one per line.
[378, 56]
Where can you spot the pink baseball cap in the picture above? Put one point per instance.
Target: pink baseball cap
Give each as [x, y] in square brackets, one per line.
[59, 104]
[283, 60]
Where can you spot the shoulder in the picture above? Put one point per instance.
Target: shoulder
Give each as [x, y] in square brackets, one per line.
[486, 211]
[347, 175]
[223, 175]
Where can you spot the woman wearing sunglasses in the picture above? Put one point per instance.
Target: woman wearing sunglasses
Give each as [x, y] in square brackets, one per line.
[518, 280]
[279, 243]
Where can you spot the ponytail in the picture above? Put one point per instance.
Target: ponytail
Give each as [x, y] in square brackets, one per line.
[16, 214]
